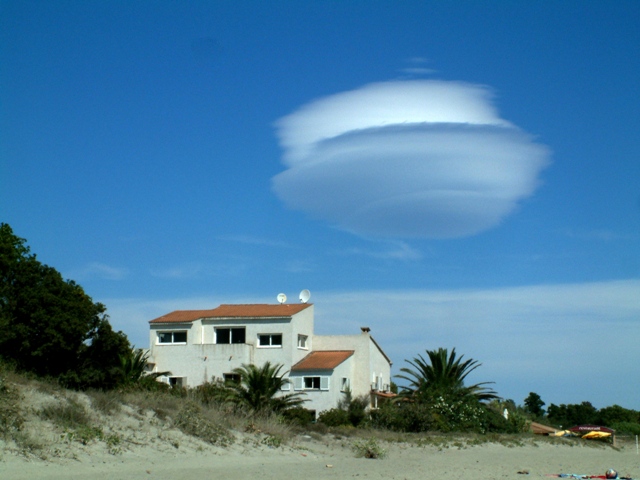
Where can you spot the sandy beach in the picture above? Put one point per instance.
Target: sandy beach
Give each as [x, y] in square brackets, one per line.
[329, 457]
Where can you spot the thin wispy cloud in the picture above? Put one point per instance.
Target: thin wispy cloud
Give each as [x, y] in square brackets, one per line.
[100, 270]
[407, 159]
[179, 272]
[394, 251]
[251, 240]
[602, 235]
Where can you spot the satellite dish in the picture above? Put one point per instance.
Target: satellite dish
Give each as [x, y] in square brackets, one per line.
[305, 295]
[281, 298]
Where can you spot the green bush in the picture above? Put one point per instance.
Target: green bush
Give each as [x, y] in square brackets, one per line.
[11, 418]
[403, 417]
[67, 414]
[628, 428]
[334, 417]
[368, 449]
[299, 416]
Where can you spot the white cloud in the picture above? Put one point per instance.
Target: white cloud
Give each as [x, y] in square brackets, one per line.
[179, 272]
[100, 270]
[407, 159]
[395, 251]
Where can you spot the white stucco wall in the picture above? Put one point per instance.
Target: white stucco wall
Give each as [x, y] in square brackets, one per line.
[321, 400]
[201, 360]
[369, 362]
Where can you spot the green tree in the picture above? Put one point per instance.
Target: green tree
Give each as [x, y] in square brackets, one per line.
[533, 404]
[49, 325]
[259, 389]
[572, 414]
[442, 375]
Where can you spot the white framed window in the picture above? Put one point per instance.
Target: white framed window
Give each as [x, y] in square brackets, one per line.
[273, 340]
[172, 337]
[345, 384]
[228, 335]
[311, 383]
[302, 342]
[178, 381]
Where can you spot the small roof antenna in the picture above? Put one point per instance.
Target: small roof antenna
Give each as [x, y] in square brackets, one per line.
[281, 298]
[305, 295]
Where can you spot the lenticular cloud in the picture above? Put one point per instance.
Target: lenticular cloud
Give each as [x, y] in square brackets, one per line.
[407, 159]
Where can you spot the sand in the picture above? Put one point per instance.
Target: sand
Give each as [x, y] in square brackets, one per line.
[328, 457]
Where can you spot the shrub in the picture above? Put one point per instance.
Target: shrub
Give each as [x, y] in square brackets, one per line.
[403, 417]
[368, 449]
[299, 416]
[629, 428]
[68, 414]
[335, 417]
[191, 421]
[11, 418]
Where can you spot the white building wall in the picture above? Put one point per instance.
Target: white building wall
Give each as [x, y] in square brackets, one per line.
[201, 359]
[369, 362]
[321, 400]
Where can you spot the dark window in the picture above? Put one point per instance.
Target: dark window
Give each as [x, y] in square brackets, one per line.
[312, 383]
[177, 381]
[270, 340]
[231, 377]
[172, 337]
[179, 337]
[230, 335]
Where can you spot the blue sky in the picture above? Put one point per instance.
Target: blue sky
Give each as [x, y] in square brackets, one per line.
[455, 174]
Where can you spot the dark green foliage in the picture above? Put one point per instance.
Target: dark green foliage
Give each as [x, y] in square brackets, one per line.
[403, 416]
[299, 416]
[573, 414]
[259, 389]
[621, 419]
[609, 416]
[626, 428]
[443, 374]
[436, 397]
[49, 325]
[132, 371]
[350, 412]
[533, 404]
[334, 417]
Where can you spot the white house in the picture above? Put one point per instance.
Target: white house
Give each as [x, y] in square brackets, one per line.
[197, 346]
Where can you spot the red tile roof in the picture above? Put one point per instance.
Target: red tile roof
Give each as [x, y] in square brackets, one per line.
[234, 311]
[322, 360]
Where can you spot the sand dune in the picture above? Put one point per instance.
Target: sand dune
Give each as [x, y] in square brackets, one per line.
[329, 457]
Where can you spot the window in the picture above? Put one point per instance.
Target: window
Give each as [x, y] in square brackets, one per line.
[302, 341]
[270, 340]
[178, 381]
[231, 377]
[311, 383]
[230, 335]
[345, 384]
[172, 337]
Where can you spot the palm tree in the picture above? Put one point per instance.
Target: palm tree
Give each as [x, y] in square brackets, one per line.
[259, 388]
[443, 374]
[133, 368]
